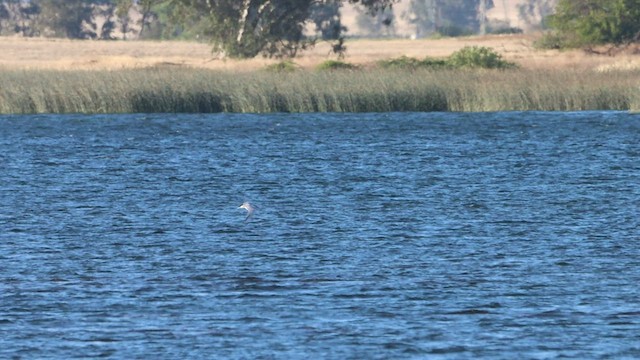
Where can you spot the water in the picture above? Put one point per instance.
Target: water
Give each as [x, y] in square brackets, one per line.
[499, 235]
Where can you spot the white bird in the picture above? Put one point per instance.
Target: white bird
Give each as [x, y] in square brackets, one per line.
[250, 209]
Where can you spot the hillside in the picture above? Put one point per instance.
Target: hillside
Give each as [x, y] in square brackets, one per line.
[504, 11]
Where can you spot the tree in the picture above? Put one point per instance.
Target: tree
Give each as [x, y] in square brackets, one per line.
[66, 18]
[327, 20]
[146, 8]
[4, 15]
[380, 24]
[178, 18]
[102, 22]
[328, 24]
[21, 17]
[274, 28]
[148, 13]
[123, 7]
[592, 22]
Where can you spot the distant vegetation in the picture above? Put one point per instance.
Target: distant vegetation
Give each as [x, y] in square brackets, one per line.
[478, 57]
[409, 63]
[376, 90]
[585, 23]
[245, 29]
[282, 66]
[336, 65]
[470, 57]
[236, 28]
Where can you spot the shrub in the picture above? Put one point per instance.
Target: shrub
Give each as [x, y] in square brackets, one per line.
[478, 57]
[282, 66]
[506, 30]
[336, 65]
[550, 41]
[433, 63]
[402, 62]
[409, 63]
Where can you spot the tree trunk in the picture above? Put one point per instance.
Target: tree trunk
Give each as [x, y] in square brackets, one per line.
[243, 20]
[482, 16]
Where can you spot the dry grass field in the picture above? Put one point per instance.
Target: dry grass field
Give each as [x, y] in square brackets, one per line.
[60, 54]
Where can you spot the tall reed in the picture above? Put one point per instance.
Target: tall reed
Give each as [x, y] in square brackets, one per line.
[375, 90]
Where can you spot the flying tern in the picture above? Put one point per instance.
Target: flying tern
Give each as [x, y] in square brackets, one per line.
[250, 209]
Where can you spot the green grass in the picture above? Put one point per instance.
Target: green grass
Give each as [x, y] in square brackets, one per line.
[373, 90]
[282, 66]
[409, 63]
[336, 65]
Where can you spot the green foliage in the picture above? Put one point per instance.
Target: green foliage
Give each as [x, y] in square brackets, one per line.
[409, 63]
[149, 16]
[478, 57]
[580, 23]
[380, 24]
[552, 41]
[179, 20]
[336, 65]
[507, 30]
[433, 63]
[147, 10]
[4, 15]
[403, 62]
[327, 20]
[272, 28]
[237, 28]
[282, 66]
[467, 57]
[76, 19]
[66, 18]
[454, 30]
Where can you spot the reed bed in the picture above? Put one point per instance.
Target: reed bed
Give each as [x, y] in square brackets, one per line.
[172, 90]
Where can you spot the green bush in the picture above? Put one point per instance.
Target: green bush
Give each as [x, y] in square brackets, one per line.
[282, 66]
[550, 41]
[409, 63]
[336, 65]
[554, 40]
[433, 63]
[505, 30]
[402, 62]
[478, 57]
[593, 22]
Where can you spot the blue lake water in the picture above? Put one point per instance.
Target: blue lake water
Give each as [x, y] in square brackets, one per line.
[406, 235]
